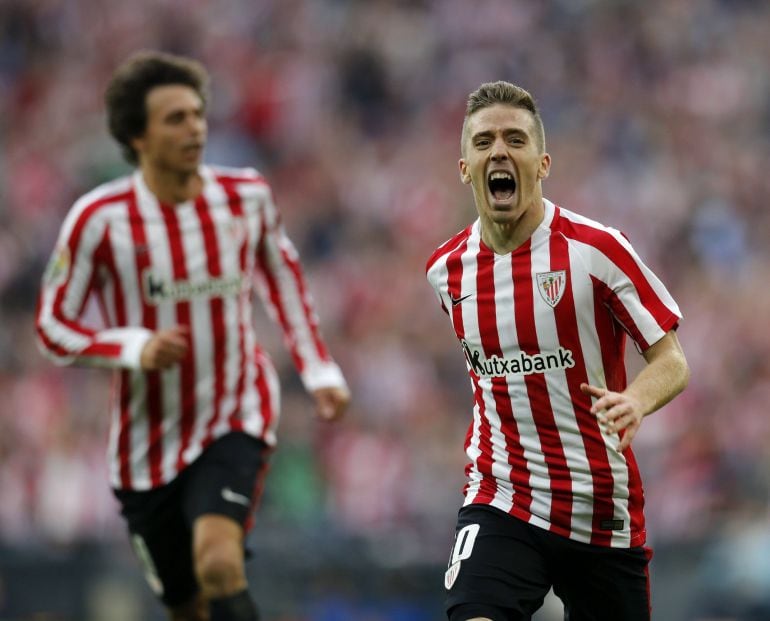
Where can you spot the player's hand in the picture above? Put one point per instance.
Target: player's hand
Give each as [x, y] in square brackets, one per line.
[616, 412]
[331, 403]
[165, 348]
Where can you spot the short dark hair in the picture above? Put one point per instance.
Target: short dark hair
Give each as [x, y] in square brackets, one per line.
[501, 92]
[127, 90]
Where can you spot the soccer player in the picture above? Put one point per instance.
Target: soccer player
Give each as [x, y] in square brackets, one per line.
[541, 300]
[173, 254]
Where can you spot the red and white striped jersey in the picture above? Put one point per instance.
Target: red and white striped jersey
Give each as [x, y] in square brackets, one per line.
[533, 325]
[153, 266]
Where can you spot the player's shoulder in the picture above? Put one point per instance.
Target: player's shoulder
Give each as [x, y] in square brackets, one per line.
[587, 231]
[243, 176]
[447, 247]
[97, 200]
[247, 182]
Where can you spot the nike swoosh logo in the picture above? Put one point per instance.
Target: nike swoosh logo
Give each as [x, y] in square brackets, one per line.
[456, 301]
[231, 496]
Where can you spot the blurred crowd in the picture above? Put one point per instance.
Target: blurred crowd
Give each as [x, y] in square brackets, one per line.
[657, 118]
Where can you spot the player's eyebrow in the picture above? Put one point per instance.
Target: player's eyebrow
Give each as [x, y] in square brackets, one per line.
[177, 114]
[486, 133]
[482, 134]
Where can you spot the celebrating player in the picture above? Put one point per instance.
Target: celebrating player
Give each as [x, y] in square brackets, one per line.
[541, 300]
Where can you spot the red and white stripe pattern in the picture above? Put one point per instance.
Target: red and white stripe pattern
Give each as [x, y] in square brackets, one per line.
[153, 266]
[535, 450]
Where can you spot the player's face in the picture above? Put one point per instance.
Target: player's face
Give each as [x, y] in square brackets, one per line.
[175, 134]
[503, 163]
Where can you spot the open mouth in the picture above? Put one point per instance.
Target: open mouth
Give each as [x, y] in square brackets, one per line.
[501, 184]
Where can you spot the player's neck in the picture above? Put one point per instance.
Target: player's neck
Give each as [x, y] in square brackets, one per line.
[505, 237]
[172, 187]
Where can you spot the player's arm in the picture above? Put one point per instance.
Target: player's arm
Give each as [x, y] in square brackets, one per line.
[640, 303]
[665, 375]
[286, 296]
[69, 280]
[165, 348]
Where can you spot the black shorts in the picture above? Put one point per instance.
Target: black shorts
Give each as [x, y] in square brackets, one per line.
[225, 480]
[502, 568]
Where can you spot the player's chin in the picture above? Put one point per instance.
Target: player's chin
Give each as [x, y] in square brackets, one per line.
[502, 213]
[190, 159]
[189, 166]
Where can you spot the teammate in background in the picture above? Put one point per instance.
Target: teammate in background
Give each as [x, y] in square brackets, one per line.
[173, 254]
[541, 299]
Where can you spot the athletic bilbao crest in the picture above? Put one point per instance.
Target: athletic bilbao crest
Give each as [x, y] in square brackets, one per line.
[551, 286]
[451, 575]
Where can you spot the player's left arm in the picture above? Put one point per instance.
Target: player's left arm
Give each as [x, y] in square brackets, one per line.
[665, 375]
[331, 402]
[287, 298]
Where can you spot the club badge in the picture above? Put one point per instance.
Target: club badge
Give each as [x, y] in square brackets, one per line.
[551, 286]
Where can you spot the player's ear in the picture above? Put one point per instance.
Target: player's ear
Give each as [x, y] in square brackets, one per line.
[545, 167]
[465, 176]
[137, 144]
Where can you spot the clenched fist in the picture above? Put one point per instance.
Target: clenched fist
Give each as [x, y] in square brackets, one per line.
[165, 349]
[331, 403]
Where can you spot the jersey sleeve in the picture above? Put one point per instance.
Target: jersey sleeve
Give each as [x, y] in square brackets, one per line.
[285, 295]
[68, 281]
[637, 298]
[435, 275]
[436, 269]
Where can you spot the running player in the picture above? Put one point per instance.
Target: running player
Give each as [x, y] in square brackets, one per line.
[541, 300]
[173, 253]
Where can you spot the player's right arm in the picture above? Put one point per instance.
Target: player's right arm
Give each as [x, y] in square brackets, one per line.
[73, 273]
[165, 348]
